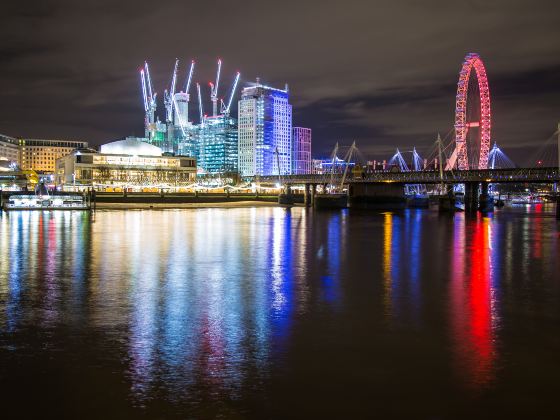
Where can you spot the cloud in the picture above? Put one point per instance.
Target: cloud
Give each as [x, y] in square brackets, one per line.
[380, 72]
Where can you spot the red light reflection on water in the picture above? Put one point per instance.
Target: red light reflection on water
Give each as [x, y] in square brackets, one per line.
[471, 303]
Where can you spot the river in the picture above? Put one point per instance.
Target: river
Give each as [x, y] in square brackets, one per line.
[280, 313]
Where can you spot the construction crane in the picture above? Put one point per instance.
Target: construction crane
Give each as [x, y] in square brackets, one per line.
[144, 93]
[149, 95]
[225, 109]
[200, 105]
[214, 90]
[181, 103]
[189, 78]
[169, 95]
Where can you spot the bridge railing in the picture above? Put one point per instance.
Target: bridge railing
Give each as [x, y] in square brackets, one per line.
[543, 175]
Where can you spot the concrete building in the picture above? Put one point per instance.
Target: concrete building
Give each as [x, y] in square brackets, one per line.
[125, 163]
[301, 151]
[265, 131]
[41, 155]
[217, 145]
[9, 148]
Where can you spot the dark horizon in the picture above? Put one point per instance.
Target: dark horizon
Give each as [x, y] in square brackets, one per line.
[383, 74]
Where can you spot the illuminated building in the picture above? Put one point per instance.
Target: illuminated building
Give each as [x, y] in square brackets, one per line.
[9, 148]
[126, 162]
[187, 143]
[265, 131]
[217, 145]
[41, 155]
[301, 150]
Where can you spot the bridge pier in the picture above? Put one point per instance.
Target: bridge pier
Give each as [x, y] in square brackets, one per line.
[313, 194]
[307, 195]
[471, 197]
[285, 197]
[485, 202]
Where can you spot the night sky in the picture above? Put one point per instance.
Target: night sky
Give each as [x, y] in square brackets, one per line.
[382, 73]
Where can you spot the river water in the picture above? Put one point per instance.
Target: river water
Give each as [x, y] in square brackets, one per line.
[280, 313]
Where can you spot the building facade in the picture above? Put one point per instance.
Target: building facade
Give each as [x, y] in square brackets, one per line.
[217, 145]
[9, 148]
[41, 155]
[301, 151]
[124, 163]
[265, 131]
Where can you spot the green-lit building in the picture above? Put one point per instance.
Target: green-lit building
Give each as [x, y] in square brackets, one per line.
[217, 145]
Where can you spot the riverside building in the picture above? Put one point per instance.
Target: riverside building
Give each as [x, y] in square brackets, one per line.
[41, 155]
[128, 163]
[301, 151]
[265, 131]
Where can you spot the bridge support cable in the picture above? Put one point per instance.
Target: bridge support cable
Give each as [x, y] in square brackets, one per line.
[347, 160]
[398, 160]
[548, 154]
[497, 159]
[334, 159]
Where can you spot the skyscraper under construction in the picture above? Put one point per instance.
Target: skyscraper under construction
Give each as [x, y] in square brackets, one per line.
[213, 142]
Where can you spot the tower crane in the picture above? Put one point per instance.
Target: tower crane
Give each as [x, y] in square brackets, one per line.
[214, 90]
[181, 103]
[200, 105]
[168, 95]
[149, 96]
[189, 78]
[226, 108]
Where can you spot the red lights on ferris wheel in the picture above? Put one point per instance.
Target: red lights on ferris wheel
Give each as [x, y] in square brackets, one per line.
[472, 61]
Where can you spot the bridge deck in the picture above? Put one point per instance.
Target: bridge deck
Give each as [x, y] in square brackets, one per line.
[534, 175]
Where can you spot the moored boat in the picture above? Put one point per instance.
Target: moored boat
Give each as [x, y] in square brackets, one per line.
[46, 202]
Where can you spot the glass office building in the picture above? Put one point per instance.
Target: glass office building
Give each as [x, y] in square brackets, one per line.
[265, 131]
[217, 145]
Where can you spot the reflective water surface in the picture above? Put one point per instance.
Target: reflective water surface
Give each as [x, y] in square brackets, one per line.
[280, 313]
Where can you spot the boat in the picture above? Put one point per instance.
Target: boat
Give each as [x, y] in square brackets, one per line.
[526, 200]
[46, 202]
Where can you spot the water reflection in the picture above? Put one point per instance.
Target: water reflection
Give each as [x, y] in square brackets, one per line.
[472, 301]
[42, 253]
[217, 304]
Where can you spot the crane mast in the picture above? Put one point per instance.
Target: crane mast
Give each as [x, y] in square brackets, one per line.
[200, 105]
[226, 109]
[168, 95]
[189, 78]
[214, 90]
[144, 93]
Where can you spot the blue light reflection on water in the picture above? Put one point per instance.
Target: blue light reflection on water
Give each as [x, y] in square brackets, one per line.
[209, 303]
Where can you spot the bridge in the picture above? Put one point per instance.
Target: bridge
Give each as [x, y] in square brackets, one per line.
[516, 175]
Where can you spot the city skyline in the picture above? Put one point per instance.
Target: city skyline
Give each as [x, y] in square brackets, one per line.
[363, 80]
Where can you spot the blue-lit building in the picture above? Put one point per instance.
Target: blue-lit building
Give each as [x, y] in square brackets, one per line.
[265, 131]
[217, 145]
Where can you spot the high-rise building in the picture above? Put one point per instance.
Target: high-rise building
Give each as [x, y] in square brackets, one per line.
[265, 131]
[301, 150]
[217, 144]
